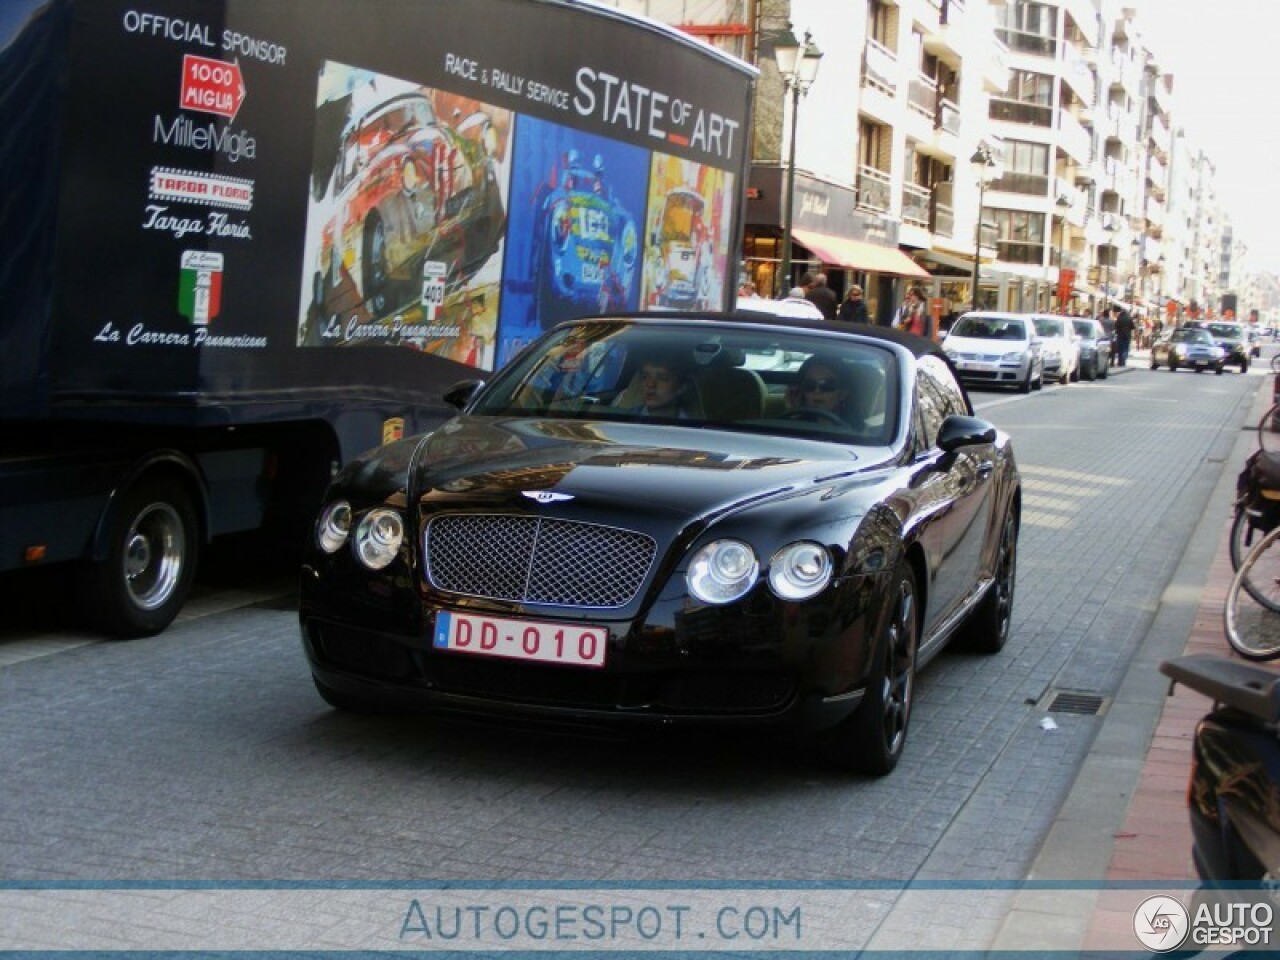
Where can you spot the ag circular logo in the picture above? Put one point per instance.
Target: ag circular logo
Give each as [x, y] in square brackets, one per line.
[1161, 923]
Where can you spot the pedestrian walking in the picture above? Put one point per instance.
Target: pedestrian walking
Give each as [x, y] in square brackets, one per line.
[1124, 337]
[912, 315]
[854, 308]
[819, 294]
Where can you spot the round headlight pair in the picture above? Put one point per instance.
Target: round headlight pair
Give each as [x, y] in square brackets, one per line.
[725, 570]
[377, 538]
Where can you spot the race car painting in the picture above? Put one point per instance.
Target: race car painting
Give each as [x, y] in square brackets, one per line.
[409, 190]
[683, 252]
[586, 248]
[687, 241]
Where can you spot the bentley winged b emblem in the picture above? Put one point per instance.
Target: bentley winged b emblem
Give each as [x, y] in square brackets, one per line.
[546, 496]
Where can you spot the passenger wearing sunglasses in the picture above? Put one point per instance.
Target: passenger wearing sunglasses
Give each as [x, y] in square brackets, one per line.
[820, 392]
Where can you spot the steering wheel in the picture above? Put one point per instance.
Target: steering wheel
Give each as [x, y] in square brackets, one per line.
[816, 415]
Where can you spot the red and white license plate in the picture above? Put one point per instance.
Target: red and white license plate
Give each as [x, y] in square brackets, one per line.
[579, 646]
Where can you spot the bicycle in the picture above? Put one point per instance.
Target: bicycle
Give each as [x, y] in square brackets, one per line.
[1253, 599]
[1257, 507]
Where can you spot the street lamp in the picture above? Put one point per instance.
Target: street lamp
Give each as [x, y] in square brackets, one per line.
[1063, 204]
[1109, 227]
[982, 162]
[798, 66]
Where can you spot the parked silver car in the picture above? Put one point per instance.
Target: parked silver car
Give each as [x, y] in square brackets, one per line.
[996, 349]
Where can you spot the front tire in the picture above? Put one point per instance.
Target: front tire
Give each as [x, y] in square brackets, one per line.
[152, 547]
[872, 740]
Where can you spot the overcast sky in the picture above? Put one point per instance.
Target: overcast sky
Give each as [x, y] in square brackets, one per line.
[1225, 58]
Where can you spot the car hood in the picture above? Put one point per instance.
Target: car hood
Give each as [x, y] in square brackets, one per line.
[983, 345]
[680, 472]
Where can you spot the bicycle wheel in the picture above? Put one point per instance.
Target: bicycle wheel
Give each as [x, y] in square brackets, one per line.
[1253, 600]
[1243, 536]
[1269, 431]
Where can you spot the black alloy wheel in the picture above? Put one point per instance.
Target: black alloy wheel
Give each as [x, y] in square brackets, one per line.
[872, 740]
[987, 629]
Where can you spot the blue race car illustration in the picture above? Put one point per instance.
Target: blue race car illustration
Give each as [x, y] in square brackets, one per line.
[586, 247]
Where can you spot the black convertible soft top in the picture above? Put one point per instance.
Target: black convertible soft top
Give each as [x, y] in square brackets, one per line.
[919, 346]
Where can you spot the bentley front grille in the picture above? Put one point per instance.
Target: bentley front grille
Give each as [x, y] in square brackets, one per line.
[536, 560]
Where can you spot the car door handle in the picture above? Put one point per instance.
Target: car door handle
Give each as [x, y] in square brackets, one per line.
[985, 470]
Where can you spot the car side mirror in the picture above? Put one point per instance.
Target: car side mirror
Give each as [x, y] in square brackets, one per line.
[462, 393]
[962, 431]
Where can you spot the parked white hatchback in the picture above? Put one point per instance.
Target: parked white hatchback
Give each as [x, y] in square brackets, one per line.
[1061, 346]
[996, 349]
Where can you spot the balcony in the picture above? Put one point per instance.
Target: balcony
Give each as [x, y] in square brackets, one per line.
[1034, 44]
[948, 120]
[994, 66]
[915, 204]
[1078, 75]
[942, 219]
[922, 96]
[874, 191]
[1085, 17]
[1074, 138]
[1015, 111]
[1027, 184]
[1161, 141]
[880, 68]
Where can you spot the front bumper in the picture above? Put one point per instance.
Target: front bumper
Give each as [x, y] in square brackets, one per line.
[757, 664]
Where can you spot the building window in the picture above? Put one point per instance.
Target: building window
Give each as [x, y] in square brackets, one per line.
[1020, 235]
[1028, 87]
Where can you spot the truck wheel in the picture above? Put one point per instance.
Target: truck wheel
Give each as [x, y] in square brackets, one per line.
[150, 563]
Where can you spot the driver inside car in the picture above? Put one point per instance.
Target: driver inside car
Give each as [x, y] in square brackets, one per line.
[820, 387]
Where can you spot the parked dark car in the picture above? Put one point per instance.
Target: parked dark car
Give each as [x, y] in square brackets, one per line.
[1095, 348]
[813, 517]
[1233, 339]
[1190, 347]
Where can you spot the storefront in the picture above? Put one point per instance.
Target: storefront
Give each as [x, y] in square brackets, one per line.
[828, 233]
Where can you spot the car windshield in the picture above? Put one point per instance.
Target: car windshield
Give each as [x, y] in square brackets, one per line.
[1050, 327]
[787, 384]
[1227, 331]
[990, 328]
[1196, 335]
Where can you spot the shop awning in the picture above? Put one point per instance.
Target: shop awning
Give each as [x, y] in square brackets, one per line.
[858, 255]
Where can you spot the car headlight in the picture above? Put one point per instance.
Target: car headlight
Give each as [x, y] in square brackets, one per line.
[1179, 351]
[334, 526]
[722, 571]
[1014, 357]
[378, 538]
[800, 570]
[409, 176]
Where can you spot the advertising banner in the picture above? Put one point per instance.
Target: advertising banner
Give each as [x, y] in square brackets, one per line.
[423, 185]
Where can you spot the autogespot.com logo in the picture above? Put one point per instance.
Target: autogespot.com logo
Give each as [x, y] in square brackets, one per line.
[1161, 923]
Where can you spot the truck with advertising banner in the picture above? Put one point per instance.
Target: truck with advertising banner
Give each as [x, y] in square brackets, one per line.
[244, 242]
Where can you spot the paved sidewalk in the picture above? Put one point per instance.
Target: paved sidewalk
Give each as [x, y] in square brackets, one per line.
[1126, 818]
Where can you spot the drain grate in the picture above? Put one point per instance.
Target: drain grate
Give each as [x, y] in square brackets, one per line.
[1074, 701]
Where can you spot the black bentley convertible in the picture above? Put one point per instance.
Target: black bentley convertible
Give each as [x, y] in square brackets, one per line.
[660, 520]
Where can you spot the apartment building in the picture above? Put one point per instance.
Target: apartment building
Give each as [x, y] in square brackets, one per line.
[1030, 144]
